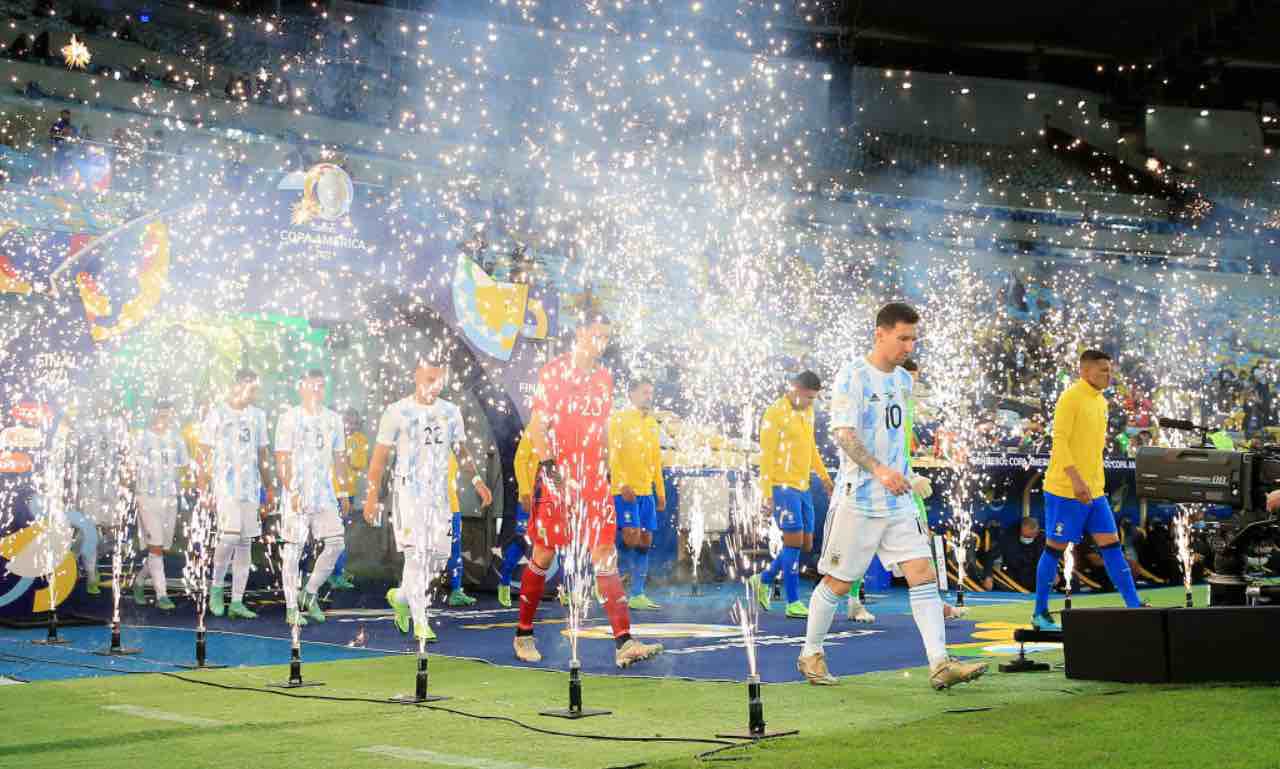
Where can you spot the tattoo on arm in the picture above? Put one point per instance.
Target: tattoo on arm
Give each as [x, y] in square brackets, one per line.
[853, 448]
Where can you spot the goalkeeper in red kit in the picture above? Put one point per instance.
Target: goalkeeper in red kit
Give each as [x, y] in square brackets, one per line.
[572, 506]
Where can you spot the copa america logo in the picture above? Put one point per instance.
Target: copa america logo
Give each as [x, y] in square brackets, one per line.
[327, 193]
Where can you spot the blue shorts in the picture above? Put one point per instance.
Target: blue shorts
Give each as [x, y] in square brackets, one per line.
[1067, 520]
[455, 526]
[522, 520]
[793, 509]
[640, 514]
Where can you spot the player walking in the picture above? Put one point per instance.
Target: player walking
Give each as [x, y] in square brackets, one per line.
[875, 514]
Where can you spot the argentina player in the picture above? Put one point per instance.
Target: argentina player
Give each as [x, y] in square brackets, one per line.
[875, 514]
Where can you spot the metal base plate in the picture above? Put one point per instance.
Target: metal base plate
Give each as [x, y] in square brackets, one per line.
[49, 641]
[1024, 665]
[575, 714]
[123, 651]
[205, 666]
[765, 736]
[409, 699]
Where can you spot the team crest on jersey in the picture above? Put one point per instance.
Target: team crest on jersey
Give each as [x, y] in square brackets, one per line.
[835, 559]
[1059, 529]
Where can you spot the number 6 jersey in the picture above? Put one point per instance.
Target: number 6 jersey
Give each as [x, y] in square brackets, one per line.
[874, 404]
[422, 437]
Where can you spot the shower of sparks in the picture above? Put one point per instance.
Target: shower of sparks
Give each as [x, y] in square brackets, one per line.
[678, 162]
[75, 54]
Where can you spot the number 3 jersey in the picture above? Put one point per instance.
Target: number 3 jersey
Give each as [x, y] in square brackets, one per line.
[874, 404]
[236, 437]
[423, 437]
[311, 440]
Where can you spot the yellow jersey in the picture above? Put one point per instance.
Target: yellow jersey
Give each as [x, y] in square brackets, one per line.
[635, 453]
[788, 450]
[526, 467]
[357, 462]
[1079, 437]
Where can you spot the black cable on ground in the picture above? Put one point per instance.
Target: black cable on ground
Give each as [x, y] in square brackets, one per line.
[330, 698]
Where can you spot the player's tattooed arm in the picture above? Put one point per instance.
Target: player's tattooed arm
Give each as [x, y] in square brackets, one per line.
[853, 448]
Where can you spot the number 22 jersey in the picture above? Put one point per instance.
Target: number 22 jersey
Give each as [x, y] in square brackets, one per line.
[874, 404]
[423, 437]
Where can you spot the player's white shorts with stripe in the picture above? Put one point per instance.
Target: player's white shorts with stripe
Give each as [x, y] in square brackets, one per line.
[236, 517]
[157, 518]
[851, 540]
[296, 524]
[424, 524]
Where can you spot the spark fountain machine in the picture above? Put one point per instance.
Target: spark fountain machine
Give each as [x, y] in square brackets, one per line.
[1232, 638]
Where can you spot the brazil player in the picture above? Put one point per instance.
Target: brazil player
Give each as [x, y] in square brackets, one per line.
[310, 450]
[423, 428]
[235, 469]
[875, 514]
[159, 454]
[571, 406]
[1075, 500]
[635, 469]
[526, 466]
[457, 596]
[788, 456]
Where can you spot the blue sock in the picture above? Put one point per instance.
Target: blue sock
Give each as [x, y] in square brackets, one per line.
[341, 564]
[779, 565]
[1120, 574]
[791, 574]
[1046, 575]
[511, 557]
[455, 554]
[639, 570]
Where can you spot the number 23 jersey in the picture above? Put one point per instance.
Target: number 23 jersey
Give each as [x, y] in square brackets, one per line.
[874, 404]
[422, 437]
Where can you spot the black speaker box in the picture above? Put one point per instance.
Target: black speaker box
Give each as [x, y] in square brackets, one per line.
[1224, 643]
[1116, 645]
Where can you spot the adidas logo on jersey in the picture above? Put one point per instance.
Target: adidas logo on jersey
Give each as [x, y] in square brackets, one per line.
[874, 398]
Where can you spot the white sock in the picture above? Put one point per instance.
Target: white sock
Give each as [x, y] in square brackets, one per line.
[822, 610]
[222, 558]
[155, 564]
[926, 607]
[240, 571]
[328, 558]
[413, 585]
[289, 573]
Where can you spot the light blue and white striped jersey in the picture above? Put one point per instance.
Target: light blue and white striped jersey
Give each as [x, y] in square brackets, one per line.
[874, 404]
[100, 445]
[311, 440]
[158, 458]
[235, 437]
[422, 436]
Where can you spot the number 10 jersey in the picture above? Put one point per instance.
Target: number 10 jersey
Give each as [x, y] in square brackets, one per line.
[874, 404]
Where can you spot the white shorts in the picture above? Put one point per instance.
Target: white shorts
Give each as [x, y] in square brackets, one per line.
[157, 518]
[236, 517]
[320, 523]
[852, 539]
[420, 525]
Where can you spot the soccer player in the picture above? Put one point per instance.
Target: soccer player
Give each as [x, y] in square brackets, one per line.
[234, 469]
[1075, 500]
[526, 466]
[876, 514]
[788, 456]
[457, 596]
[159, 454]
[571, 407]
[310, 450]
[423, 428]
[357, 462]
[635, 469]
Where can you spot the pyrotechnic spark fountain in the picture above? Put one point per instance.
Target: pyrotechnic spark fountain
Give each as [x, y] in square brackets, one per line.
[1182, 537]
[1068, 571]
